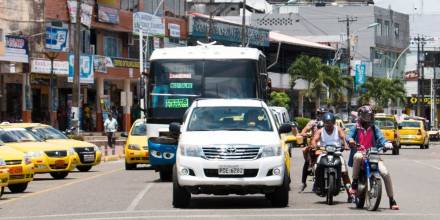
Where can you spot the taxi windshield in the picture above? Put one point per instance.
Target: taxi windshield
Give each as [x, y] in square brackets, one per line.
[12, 135]
[410, 124]
[48, 133]
[384, 123]
[139, 129]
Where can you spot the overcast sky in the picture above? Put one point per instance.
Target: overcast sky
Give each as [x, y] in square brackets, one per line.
[406, 6]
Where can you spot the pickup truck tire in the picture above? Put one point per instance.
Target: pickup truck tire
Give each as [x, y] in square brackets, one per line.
[280, 198]
[18, 188]
[85, 168]
[181, 197]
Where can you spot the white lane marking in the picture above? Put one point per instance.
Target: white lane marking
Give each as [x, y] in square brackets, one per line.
[168, 211]
[270, 215]
[426, 164]
[139, 197]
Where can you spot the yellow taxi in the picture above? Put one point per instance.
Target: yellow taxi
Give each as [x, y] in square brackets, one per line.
[86, 154]
[136, 149]
[4, 176]
[20, 170]
[413, 132]
[47, 157]
[389, 127]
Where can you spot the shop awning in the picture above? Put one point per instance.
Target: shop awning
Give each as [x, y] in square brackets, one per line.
[282, 38]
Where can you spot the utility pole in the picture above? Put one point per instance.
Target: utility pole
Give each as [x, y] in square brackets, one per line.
[423, 73]
[211, 14]
[243, 25]
[418, 74]
[76, 76]
[348, 20]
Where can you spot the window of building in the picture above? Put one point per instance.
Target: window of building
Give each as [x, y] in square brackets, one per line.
[386, 31]
[396, 30]
[111, 46]
[379, 27]
[130, 5]
[133, 49]
[169, 7]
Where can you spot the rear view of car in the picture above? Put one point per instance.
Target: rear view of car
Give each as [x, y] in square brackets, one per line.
[389, 127]
[413, 133]
[230, 147]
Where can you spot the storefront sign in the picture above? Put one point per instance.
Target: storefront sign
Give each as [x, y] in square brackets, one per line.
[86, 68]
[56, 39]
[411, 75]
[125, 63]
[174, 30]
[423, 101]
[224, 31]
[86, 12]
[16, 49]
[148, 23]
[43, 66]
[108, 15]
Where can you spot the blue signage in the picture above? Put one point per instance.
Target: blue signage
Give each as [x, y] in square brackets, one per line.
[228, 32]
[360, 76]
[86, 68]
[56, 39]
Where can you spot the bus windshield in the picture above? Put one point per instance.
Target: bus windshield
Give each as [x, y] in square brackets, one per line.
[174, 84]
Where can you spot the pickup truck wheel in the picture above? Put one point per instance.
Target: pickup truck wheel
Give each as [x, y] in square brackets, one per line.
[18, 188]
[280, 198]
[181, 197]
[85, 168]
[59, 175]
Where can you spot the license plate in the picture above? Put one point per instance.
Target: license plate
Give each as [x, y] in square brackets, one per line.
[15, 170]
[89, 158]
[230, 170]
[59, 163]
[408, 136]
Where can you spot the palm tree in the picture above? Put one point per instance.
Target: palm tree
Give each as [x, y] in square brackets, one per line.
[383, 91]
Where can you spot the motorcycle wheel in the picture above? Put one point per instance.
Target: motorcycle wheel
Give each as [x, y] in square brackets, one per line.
[331, 189]
[374, 193]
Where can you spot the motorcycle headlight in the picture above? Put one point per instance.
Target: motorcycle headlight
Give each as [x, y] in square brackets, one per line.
[34, 154]
[271, 151]
[2, 163]
[71, 151]
[330, 149]
[134, 147]
[27, 159]
[191, 151]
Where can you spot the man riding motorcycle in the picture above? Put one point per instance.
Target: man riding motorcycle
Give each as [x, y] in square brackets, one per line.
[367, 135]
[312, 126]
[333, 135]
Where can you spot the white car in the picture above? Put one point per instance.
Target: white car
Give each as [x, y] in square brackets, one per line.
[229, 146]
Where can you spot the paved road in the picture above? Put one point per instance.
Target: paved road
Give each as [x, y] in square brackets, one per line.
[109, 192]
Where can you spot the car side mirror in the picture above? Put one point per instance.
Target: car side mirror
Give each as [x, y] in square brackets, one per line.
[124, 135]
[285, 128]
[174, 128]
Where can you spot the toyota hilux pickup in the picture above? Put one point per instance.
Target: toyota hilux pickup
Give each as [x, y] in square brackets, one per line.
[230, 146]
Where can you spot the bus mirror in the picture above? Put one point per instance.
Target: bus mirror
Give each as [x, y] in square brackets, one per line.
[174, 128]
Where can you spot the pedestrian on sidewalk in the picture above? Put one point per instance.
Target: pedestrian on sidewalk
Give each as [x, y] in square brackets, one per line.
[110, 126]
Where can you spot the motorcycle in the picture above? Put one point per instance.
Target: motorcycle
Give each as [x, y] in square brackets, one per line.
[328, 179]
[369, 191]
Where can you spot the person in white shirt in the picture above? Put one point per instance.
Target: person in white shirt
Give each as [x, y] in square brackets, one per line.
[110, 126]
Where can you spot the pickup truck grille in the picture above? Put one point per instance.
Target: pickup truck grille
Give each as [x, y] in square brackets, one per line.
[231, 153]
[60, 153]
[13, 162]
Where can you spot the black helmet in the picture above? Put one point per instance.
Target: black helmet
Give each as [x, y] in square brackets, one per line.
[366, 114]
[329, 117]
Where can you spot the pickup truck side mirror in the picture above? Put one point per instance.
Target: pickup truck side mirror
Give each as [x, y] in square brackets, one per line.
[174, 128]
[285, 128]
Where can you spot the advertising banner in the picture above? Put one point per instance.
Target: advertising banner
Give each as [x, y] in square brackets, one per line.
[125, 62]
[86, 68]
[148, 23]
[174, 30]
[43, 66]
[56, 39]
[360, 75]
[108, 15]
[16, 49]
[86, 12]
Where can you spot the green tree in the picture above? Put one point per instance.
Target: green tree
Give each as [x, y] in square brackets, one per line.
[279, 99]
[383, 92]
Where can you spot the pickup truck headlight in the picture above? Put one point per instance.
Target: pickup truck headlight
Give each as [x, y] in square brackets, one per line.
[34, 154]
[2, 163]
[191, 151]
[134, 147]
[27, 159]
[71, 151]
[271, 151]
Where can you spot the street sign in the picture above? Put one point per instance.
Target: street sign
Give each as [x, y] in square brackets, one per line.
[56, 39]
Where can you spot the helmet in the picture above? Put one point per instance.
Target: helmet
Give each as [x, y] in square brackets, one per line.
[329, 117]
[366, 113]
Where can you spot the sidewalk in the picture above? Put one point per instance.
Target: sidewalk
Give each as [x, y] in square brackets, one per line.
[110, 154]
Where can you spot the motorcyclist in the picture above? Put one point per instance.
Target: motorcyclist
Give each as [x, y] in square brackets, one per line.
[367, 135]
[312, 126]
[332, 134]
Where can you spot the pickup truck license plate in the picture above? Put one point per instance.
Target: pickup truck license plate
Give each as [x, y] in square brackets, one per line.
[230, 170]
[89, 158]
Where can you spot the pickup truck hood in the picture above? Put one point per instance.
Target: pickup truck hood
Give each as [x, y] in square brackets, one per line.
[206, 138]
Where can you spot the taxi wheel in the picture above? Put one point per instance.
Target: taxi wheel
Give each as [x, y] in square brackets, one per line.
[84, 168]
[59, 175]
[18, 188]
